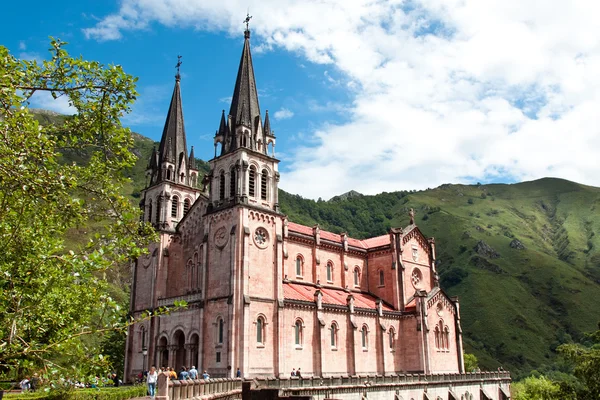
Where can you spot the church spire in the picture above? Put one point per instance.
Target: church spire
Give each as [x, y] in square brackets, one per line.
[244, 103]
[173, 143]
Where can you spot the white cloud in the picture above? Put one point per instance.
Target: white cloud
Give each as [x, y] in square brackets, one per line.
[283, 113]
[446, 91]
[22, 45]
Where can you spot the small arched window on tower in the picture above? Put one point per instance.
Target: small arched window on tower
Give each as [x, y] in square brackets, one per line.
[260, 330]
[437, 337]
[174, 206]
[222, 185]
[356, 276]
[364, 335]
[220, 329]
[232, 183]
[263, 184]
[252, 181]
[329, 271]
[299, 263]
[381, 278]
[150, 211]
[392, 338]
[298, 333]
[334, 335]
[158, 207]
[446, 338]
[186, 206]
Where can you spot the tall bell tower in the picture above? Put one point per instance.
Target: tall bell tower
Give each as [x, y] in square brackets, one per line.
[244, 169]
[172, 176]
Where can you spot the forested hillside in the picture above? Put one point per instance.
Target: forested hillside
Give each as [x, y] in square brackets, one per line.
[524, 259]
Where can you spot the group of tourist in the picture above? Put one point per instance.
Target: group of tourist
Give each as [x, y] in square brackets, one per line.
[151, 376]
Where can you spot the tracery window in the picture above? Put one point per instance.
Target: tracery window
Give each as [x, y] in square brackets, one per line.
[174, 206]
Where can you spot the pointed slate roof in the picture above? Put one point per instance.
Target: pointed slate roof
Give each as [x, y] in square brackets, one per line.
[244, 103]
[172, 143]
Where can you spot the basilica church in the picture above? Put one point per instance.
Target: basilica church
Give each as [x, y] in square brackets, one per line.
[267, 295]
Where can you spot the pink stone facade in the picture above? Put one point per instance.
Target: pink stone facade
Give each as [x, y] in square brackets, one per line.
[267, 295]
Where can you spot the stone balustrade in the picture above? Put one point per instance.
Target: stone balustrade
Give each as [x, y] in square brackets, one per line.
[495, 383]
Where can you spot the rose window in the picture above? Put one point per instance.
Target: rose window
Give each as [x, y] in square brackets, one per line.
[260, 237]
[416, 278]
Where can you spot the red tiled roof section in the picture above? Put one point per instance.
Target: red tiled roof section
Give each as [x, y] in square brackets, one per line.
[378, 241]
[294, 291]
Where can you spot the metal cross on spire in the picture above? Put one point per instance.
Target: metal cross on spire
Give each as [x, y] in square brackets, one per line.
[247, 20]
[177, 66]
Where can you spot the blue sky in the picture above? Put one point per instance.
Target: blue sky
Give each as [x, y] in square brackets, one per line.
[365, 95]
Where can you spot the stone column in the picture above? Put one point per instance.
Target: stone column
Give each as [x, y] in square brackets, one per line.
[173, 356]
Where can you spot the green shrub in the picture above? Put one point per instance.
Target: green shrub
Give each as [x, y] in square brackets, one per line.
[108, 393]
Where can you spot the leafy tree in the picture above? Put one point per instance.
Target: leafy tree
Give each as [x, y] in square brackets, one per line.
[535, 388]
[586, 359]
[51, 295]
[471, 362]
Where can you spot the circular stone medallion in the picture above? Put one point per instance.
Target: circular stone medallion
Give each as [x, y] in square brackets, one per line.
[261, 237]
[221, 237]
[416, 278]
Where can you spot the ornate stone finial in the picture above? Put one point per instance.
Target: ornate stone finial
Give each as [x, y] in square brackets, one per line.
[178, 76]
[411, 214]
[247, 22]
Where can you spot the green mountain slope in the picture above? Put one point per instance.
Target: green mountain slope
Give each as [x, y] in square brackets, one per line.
[524, 258]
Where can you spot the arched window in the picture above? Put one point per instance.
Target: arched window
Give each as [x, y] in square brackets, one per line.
[364, 337]
[220, 325]
[222, 185]
[446, 338]
[158, 207]
[150, 211]
[381, 278]
[356, 276]
[186, 206]
[143, 337]
[174, 206]
[334, 334]
[232, 183]
[168, 173]
[260, 330]
[263, 184]
[298, 333]
[437, 337]
[190, 274]
[299, 263]
[251, 181]
[392, 337]
[329, 272]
